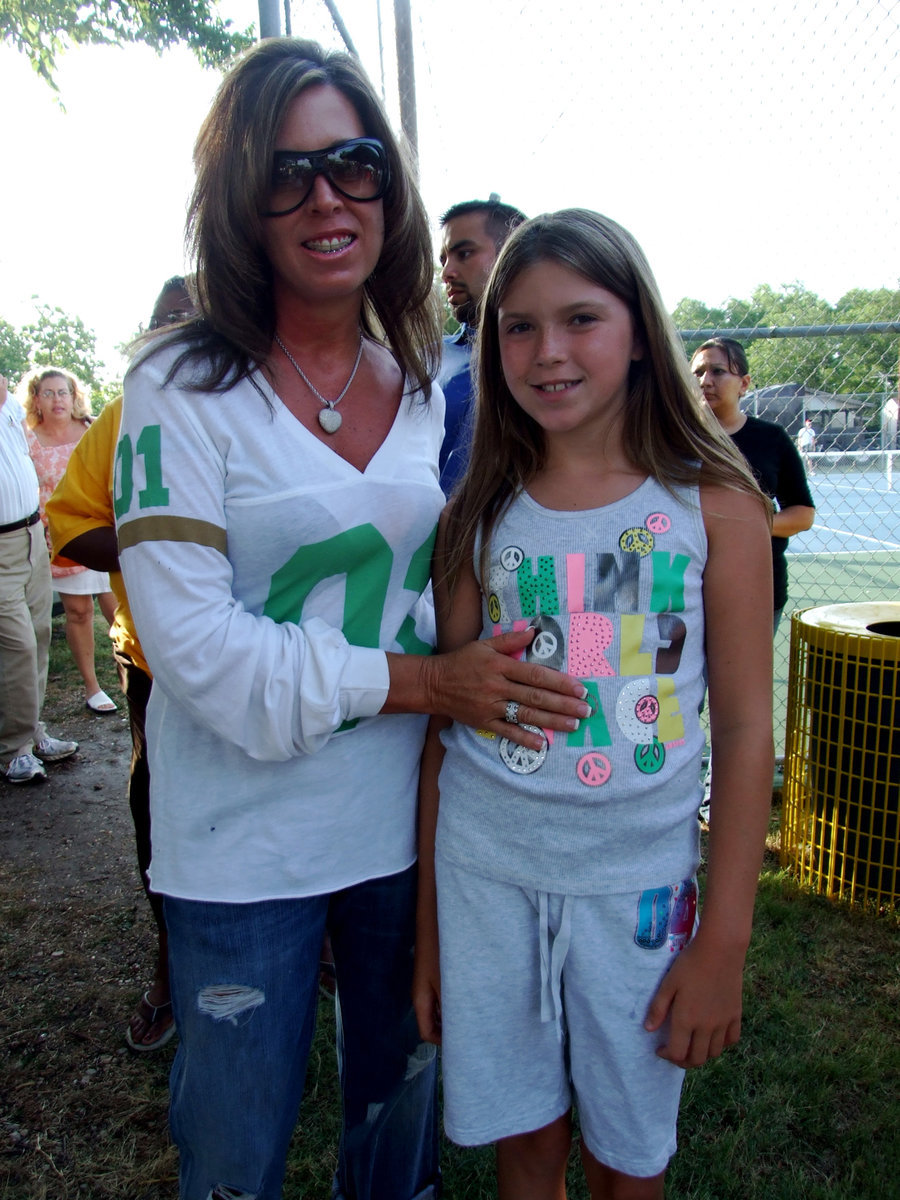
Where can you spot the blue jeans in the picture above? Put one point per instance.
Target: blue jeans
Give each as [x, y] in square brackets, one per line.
[245, 991]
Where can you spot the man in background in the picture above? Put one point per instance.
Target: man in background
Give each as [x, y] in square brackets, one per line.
[473, 233]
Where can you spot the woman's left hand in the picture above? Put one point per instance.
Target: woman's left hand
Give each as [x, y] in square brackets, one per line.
[476, 684]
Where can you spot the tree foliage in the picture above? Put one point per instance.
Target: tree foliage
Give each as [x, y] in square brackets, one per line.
[13, 352]
[42, 29]
[843, 363]
[58, 339]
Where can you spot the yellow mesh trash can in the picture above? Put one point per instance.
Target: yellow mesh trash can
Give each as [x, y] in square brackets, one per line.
[839, 823]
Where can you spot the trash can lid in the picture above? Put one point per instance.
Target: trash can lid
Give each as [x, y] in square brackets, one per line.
[876, 619]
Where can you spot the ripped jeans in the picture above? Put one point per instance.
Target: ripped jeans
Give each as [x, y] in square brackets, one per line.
[245, 991]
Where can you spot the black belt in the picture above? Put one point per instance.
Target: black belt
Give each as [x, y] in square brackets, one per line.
[23, 524]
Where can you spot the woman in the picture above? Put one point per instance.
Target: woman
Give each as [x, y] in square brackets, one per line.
[720, 367]
[57, 415]
[276, 506]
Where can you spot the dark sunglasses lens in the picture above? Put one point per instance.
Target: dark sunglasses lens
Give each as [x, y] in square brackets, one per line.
[357, 171]
[291, 180]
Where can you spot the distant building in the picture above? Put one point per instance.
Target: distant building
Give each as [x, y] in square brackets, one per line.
[838, 419]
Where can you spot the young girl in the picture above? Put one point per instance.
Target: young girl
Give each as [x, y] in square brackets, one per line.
[606, 511]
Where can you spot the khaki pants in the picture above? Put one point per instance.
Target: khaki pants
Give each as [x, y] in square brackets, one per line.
[26, 593]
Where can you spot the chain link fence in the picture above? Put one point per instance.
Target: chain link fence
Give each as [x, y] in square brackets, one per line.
[843, 377]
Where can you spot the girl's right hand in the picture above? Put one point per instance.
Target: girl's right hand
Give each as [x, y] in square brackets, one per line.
[474, 684]
[426, 991]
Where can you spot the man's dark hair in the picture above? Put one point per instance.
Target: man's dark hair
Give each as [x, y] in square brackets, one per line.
[499, 219]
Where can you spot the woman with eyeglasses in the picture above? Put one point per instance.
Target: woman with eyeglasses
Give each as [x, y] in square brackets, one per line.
[277, 496]
[57, 415]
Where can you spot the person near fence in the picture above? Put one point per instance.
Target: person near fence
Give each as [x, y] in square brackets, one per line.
[82, 526]
[57, 417]
[720, 367]
[26, 602]
[806, 444]
[277, 498]
[603, 507]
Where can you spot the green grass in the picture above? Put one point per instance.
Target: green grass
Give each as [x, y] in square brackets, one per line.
[805, 1107]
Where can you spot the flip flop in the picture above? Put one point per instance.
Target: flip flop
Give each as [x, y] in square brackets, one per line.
[101, 704]
[152, 1014]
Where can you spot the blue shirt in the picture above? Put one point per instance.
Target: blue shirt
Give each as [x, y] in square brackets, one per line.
[455, 380]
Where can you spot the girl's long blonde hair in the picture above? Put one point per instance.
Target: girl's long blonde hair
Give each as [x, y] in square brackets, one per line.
[667, 433]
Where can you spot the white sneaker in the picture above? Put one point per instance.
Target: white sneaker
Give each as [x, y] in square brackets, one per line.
[52, 749]
[24, 768]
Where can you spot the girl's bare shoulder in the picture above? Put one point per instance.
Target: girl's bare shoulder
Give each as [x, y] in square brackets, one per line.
[721, 503]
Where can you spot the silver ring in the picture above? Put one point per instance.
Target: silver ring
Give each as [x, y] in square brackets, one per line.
[512, 713]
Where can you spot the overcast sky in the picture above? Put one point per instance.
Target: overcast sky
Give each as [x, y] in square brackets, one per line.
[741, 144]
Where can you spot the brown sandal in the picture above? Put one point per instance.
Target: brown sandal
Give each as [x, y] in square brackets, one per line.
[152, 1014]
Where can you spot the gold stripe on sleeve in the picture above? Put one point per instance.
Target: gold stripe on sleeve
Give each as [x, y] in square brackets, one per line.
[172, 529]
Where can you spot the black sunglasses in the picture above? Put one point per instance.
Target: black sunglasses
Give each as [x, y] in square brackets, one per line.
[357, 169]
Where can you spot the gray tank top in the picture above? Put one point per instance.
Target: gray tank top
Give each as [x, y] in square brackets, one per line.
[616, 597]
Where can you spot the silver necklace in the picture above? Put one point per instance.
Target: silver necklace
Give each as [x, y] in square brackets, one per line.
[329, 418]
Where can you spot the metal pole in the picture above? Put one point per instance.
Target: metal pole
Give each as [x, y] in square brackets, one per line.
[406, 76]
[269, 19]
[789, 331]
[341, 27]
[381, 52]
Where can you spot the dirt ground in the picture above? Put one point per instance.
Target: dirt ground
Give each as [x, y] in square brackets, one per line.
[80, 1115]
[72, 836]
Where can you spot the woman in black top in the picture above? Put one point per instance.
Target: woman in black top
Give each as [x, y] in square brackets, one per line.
[720, 366]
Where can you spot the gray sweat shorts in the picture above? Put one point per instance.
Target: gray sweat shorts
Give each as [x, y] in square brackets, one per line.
[543, 999]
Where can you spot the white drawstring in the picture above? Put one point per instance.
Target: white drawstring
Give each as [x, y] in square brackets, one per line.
[553, 956]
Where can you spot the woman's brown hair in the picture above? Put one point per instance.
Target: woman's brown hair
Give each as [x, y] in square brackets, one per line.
[233, 158]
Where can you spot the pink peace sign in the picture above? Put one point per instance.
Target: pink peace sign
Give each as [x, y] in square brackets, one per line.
[658, 522]
[593, 769]
[647, 709]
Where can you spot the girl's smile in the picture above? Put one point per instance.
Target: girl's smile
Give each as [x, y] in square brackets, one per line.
[566, 346]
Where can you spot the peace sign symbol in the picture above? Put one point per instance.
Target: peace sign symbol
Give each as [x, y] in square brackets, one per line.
[494, 608]
[647, 709]
[543, 644]
[511, 558]
[650, 758]
[637, 540]
[658, 522]
[522, 759]
[593, 769]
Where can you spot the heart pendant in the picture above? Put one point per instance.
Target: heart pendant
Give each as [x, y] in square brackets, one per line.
[330, 420]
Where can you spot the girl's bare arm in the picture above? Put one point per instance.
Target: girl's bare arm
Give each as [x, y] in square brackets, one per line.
[702, 992]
